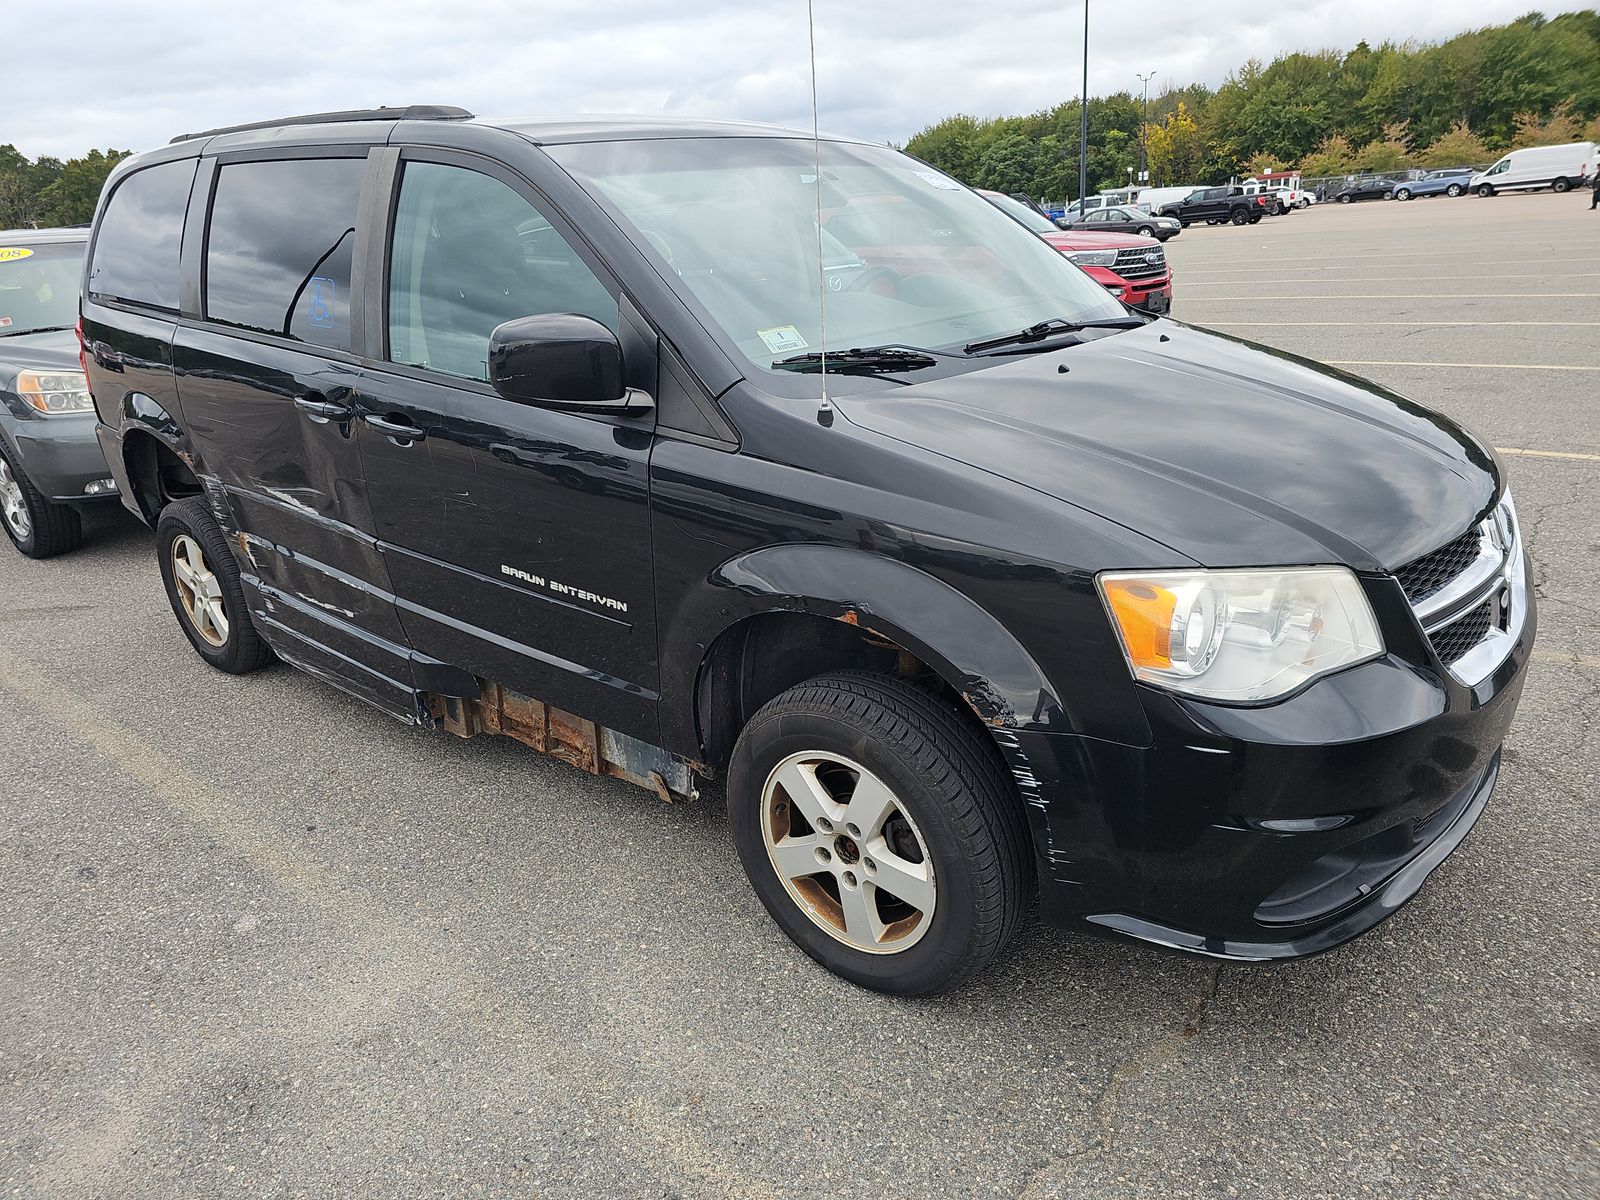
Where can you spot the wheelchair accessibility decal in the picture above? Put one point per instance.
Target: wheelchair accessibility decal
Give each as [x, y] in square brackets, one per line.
[320, 302]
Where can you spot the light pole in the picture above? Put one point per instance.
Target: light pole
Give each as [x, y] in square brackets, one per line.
[1083, 119]
[1144, 121]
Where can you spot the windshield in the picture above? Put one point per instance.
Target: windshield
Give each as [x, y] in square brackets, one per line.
[1018, 211]
[911, 257]
[39, 286]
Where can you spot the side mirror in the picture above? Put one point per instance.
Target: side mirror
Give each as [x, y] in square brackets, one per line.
[559, 360]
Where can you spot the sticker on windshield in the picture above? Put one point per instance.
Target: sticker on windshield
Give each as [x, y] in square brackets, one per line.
[12, 253]
[943, 182]
[781, 338]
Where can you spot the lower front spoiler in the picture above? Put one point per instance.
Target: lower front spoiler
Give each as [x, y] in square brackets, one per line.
[1378, 904]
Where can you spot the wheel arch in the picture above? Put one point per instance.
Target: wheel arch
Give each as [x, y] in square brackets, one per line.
[158, 462]
[768, 619]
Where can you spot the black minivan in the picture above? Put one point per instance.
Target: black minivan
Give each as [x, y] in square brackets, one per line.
[524, 429]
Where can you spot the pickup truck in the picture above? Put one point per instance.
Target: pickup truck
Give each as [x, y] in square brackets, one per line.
[1219, 205]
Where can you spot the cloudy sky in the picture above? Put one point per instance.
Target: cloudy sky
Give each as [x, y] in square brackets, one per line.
[132, 73]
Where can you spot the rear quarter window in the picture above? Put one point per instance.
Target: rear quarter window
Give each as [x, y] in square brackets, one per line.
[139, 237]
[280, 247]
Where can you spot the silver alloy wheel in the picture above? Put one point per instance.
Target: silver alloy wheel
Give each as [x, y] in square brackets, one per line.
[200, 590]
[13, 506]
[848, 852]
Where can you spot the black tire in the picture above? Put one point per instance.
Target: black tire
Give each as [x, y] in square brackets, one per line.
[1255, 218]
[1455, 189]
[1402, 193]
[46, 528]
[1344, 199]
[242, 650]
[1182, 224]
[1485, 190]
[1561, 184]
[1239, 217]
[948, 778]
[1146, 231]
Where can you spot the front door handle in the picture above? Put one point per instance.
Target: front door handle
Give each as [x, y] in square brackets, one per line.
[320, 410]
[396, 427]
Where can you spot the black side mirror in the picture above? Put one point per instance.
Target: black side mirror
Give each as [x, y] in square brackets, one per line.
[559, 360]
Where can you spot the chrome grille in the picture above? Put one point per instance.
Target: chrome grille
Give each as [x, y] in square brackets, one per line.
[1452, 641]
[1141, 262]
[1470, 595]
[1425, 576]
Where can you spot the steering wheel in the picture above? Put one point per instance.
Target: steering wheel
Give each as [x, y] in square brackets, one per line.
[868, 281]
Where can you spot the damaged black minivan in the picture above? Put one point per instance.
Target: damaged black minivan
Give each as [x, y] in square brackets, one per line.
[522, 429]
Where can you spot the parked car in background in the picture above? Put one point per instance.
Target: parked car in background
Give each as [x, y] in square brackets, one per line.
[50, 461]
[1152, 199]
[1377, 188]
[1451, 182]
[1132, 268]
[1120, 219]
[1039, 604]
[1221, 205]
[1288, 197]
[1559, 168]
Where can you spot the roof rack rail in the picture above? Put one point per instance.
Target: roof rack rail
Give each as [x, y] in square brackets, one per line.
[412, 112]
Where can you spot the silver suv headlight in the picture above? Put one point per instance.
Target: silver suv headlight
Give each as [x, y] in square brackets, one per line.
[1240, 635]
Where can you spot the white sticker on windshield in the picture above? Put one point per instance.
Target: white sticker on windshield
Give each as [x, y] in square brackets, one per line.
[943, 182]
[781, 338]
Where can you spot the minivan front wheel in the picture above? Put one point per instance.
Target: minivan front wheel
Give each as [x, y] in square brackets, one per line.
[880, 830]
[203, 587]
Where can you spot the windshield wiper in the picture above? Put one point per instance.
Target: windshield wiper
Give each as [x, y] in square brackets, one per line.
[1050, 328]
[40, 329]
[867, 360]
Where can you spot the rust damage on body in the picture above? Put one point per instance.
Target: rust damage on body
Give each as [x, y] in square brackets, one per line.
[562, 735]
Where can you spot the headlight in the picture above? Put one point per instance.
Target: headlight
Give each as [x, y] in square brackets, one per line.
[1093, 258]
[54, 392]
[1240, 635]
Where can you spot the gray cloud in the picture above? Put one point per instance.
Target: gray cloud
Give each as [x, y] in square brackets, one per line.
[132, 73]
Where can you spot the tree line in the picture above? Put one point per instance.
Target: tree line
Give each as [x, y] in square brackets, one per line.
[41, 192]
[1463, 101]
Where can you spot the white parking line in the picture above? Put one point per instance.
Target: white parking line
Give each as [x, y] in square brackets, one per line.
[1372, 362]
[1566, 454]
[1567, 252]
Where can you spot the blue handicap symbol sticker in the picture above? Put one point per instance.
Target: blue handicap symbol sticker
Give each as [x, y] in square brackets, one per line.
[321, 302]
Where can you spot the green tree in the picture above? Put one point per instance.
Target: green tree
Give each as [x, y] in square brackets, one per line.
[1459, 147]
[1335, 156]
[1388, 153]
[71, 197]
[1008, 165]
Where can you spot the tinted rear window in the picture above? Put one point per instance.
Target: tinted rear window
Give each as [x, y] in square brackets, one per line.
[141, 231]
[280, 246]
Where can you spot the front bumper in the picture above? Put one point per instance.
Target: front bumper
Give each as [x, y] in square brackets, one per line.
[61, 455]
[1151, 295]
[1270, 832]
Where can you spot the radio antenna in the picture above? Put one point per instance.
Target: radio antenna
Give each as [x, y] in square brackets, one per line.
[825, 409]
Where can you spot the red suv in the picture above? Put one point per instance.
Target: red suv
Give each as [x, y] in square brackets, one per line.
[1133, 269]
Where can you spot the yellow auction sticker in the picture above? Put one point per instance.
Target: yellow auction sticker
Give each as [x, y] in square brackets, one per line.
[12, 253]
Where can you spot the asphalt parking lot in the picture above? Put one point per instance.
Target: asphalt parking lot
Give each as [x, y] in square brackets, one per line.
[259, 940]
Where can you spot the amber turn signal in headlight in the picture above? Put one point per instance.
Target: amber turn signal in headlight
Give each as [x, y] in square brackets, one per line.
[55, 392]
[1240, 635]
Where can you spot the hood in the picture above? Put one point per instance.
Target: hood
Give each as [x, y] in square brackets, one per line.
[1226, 452]
[1076, 239]
[54, 351]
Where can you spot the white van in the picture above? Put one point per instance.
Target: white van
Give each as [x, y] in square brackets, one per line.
[1558, 168]
[1151, 199]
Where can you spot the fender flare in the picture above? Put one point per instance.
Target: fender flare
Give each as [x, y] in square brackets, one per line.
[962, 642]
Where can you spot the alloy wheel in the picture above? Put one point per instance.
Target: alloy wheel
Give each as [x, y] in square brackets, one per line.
[200, 590]
[13, 505]
[848, 852]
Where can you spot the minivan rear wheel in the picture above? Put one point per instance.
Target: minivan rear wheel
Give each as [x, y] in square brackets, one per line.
[881, 831]
[202, 579]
